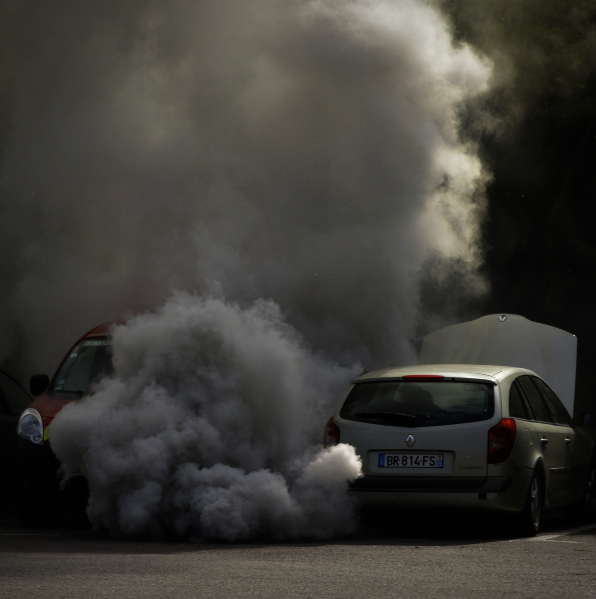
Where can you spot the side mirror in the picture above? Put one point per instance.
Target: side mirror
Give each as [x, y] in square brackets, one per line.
[38, 383]
[587, 419]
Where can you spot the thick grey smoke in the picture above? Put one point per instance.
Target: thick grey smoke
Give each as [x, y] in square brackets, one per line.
[306, 152]
[291, 157]
[206, 427]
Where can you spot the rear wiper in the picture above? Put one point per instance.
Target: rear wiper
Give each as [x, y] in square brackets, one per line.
[71, 392]
[405, 419]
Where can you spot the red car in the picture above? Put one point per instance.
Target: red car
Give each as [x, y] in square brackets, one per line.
[36, 484]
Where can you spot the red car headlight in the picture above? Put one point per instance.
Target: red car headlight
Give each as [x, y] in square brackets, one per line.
[30, 426]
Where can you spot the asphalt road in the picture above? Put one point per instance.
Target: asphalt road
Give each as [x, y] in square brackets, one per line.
[416, 558]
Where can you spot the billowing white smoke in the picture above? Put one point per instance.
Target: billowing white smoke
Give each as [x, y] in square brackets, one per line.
[304, 152]
[208, 426]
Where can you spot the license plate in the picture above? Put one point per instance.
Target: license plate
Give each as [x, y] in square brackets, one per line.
[410, 460]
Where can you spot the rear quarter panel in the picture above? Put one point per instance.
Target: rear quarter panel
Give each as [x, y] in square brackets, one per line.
[526, 452]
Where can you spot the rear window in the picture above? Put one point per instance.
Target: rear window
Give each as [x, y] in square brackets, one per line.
[88, 362]
[413, 404]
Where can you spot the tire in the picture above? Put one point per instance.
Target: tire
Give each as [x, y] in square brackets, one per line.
[530, 517]
[588, 511]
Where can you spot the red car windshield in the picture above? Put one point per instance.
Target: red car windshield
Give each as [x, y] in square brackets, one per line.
[88, 362]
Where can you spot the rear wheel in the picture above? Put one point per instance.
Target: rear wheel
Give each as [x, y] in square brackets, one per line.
[529, 519]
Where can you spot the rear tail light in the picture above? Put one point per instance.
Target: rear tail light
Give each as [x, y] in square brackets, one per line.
[501, 439]
[331, 434]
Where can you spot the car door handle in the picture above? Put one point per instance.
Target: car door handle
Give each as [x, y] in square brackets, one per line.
[567, 441]
[543, 441]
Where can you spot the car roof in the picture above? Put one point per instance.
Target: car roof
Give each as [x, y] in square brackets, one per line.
[487, 371]
[102, 329]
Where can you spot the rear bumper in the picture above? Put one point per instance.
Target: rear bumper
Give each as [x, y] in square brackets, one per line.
[492, 493]
[431, 484]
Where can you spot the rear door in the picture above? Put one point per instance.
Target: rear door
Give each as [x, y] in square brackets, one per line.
[576, 457]
[551, 438]
[521, 411]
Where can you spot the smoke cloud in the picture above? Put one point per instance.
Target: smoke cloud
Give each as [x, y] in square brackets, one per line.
[305, 152]
[207, 427]
[289, 168]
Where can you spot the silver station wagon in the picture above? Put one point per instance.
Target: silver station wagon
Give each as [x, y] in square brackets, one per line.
[471, 437]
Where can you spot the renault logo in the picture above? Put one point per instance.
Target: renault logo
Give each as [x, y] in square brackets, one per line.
[410, 440]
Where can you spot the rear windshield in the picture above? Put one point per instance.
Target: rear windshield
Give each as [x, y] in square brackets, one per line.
[414, 404]
[88, 362]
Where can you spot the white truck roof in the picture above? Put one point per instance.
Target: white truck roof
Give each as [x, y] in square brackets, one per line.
[509, 340]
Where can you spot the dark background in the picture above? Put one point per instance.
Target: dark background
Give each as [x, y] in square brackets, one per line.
[538, 138]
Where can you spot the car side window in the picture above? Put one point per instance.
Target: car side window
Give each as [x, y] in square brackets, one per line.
[16, 397]
[537, 404]
[557, 409]
[517, 404]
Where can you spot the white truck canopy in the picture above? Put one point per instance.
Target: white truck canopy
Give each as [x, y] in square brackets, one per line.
[509, 340]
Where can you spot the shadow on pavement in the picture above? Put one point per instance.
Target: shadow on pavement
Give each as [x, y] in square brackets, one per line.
[73, 530]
